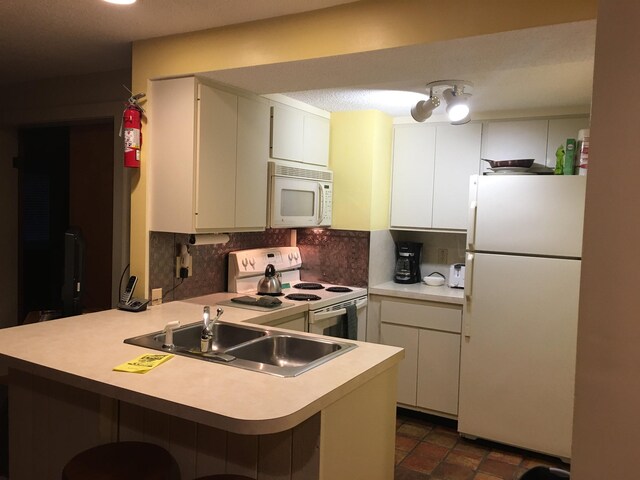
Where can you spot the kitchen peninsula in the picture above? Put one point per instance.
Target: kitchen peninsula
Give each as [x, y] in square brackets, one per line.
[332, 422]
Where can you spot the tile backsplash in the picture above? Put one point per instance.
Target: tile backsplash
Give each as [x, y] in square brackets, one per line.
[331, 256]
[209, 274]
[334, 256]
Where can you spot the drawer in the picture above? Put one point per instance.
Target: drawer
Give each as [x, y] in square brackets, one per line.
[447, 318]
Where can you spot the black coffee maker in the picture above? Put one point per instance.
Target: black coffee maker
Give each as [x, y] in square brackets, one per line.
[407, 262]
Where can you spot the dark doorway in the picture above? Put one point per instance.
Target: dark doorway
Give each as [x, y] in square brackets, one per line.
[65, 180]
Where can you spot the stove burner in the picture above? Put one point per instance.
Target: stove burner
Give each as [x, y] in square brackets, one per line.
[302, 296]
[270, 294]
[308, 286]
[339, 289]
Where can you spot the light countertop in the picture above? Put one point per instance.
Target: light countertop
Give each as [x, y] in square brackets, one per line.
[81, 351]
[420, 291]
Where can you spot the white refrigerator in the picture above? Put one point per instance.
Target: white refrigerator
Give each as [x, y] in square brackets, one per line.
[518, 351]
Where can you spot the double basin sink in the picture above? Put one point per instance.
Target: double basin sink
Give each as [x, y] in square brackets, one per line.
[252, 348]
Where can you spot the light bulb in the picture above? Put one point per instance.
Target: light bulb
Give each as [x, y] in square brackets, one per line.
[457, 107]
[121, 2]
[458, 111]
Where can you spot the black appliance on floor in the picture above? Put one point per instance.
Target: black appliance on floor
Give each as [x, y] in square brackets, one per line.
[407, 262]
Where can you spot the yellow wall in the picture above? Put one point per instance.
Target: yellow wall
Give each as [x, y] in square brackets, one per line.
[361, 161]
[356, 27]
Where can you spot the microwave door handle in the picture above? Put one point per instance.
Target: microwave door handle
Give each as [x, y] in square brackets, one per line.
[321, 204]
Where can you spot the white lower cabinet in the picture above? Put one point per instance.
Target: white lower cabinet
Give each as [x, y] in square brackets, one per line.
[428, 376]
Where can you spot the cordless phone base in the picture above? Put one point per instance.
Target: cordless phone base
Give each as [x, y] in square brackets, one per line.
[135, 305]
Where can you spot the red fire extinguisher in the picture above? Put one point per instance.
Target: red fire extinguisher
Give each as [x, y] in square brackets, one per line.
[132, 123]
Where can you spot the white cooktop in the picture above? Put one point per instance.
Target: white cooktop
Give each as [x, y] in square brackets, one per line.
[246, 268]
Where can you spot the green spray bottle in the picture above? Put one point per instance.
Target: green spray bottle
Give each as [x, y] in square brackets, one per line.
[559, 160]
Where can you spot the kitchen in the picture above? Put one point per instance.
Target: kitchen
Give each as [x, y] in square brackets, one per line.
[141, 257]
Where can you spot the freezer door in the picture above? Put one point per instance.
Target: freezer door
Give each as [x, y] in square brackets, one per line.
[518, 352]
[527, 214]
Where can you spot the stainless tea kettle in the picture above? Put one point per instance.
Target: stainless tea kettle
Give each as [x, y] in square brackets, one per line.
[270, 284]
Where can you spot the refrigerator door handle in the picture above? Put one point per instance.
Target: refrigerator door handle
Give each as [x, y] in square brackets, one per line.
[471, 227]
[473, 212]
[468, 291]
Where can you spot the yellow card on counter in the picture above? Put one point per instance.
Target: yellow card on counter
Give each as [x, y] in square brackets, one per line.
[143, 363]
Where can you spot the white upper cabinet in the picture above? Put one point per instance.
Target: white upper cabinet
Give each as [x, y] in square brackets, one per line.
[216, 140]
[316, 139]
[537, 139]
[414, 156]
[431, 170]
[298, 135]
[520, 139]
[457, 158]
[559, 130]
[208, 170]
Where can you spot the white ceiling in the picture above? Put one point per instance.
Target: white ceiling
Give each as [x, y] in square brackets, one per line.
[540, 68]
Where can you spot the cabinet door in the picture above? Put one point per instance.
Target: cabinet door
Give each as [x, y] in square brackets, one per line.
[316, 140]
[407, 338]
[559, 130]
[413, 168]
[515, 139]
[287, 133]
[438, 371]
[172, 155]
[216, 166]
[457, 158]
[251, 169]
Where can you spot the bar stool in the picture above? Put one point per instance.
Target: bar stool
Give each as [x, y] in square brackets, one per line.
[122, 461]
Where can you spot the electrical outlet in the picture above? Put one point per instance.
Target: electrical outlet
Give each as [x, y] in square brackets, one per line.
[189, 267]
[443, 256]
[156, 296]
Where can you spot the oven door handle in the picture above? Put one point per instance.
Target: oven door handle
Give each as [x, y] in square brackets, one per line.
[316, 317]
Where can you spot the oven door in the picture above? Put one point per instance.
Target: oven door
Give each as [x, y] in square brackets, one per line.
[335, 322]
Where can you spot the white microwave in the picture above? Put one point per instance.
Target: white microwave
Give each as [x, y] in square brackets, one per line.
[299, 196]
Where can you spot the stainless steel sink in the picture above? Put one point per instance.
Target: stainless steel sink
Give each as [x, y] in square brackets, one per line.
[187, 338]
[288, 355]
[250, 348]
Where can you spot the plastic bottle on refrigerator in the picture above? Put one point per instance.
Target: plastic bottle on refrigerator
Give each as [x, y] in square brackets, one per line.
[582, 157]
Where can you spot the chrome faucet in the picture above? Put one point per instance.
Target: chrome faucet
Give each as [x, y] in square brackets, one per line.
[207, 331]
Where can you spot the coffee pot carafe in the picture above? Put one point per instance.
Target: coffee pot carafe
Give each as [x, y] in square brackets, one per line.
[407, 262]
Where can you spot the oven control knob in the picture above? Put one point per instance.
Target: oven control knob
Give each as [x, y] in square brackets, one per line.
[290, 256]
[245, 262]
[295, 255]
[252, 262]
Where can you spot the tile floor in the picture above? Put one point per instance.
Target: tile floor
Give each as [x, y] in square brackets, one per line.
[430, 448]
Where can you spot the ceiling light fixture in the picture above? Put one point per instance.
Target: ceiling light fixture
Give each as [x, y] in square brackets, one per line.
[454, 95]
[121, 2]
[424, 108]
